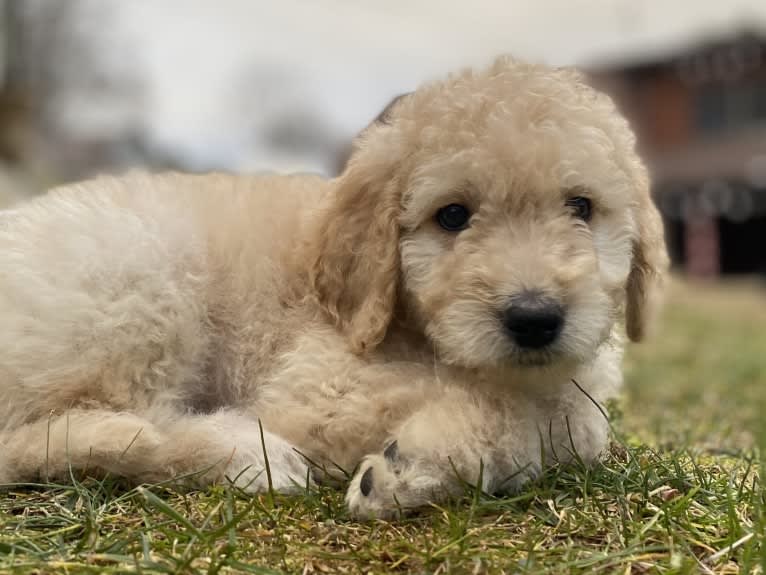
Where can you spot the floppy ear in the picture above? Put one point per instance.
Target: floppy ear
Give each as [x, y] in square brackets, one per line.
[354, 266]
[650, 263]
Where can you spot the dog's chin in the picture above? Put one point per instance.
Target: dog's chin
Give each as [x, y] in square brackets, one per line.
[555, 357]
[513, 358]
[536, 358]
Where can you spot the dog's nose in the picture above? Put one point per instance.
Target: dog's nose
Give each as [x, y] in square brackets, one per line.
[533, 320]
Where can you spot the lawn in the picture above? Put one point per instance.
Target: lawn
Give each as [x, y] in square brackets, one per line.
[678, 492]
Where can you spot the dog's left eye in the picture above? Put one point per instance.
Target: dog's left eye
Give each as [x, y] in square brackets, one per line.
[453, 217]
[581, 207]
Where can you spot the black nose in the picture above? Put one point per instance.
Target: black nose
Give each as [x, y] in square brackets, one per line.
[533, 320]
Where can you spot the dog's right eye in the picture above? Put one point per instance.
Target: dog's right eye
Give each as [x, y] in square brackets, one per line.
[453, 217]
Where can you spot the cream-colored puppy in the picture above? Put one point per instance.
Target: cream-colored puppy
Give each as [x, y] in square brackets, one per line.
[420, 318]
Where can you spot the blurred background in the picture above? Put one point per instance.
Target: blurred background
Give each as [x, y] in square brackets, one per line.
[90, 86]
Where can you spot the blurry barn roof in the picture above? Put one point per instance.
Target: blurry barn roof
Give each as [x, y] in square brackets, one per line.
[747, 40]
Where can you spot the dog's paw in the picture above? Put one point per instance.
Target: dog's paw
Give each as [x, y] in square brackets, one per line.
[387, 485]
[372, 492]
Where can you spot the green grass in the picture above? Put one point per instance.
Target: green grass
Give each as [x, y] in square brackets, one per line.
[678, 488]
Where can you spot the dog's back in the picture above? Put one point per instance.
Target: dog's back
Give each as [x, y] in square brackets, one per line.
[110, 286]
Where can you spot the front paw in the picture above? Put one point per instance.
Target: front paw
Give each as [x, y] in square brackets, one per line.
[387, 485]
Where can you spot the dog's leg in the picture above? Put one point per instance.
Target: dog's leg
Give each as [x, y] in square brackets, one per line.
[463, 441]
[228, 445]
[49, 448]
[199, 449]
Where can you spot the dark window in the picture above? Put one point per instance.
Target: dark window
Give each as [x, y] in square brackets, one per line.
[760, 99]
[721, 107]
[710, 113]
[740, 244]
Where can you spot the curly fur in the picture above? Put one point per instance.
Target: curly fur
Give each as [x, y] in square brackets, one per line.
[154, 326]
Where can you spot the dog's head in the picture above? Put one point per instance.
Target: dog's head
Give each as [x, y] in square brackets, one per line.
[505, 212]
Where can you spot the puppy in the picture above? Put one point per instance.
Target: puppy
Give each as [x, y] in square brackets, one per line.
[421, 319]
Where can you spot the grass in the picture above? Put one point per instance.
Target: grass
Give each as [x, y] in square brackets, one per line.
[678, 492]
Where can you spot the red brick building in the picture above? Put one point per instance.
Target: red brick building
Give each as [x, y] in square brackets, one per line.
[700, 116]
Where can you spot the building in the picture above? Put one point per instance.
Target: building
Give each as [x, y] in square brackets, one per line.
[700, 118]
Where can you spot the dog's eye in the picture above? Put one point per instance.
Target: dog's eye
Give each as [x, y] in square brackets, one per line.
[581, 207]
[453, 217]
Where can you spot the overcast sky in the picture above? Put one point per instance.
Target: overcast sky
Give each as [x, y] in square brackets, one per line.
[346, 58]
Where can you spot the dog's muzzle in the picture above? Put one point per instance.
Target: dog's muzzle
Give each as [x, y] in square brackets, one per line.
[533, 320]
